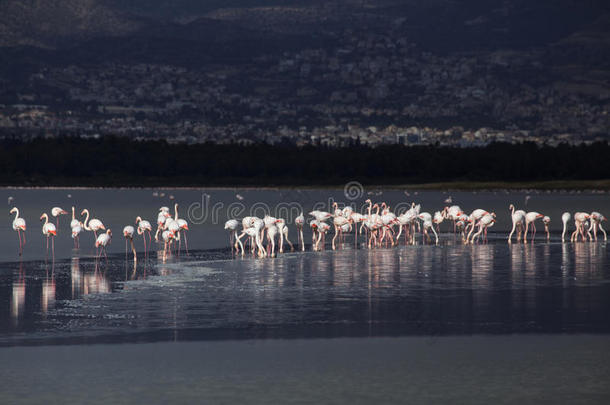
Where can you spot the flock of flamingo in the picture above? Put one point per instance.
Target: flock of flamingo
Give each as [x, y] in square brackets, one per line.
[170, 228]
[380, 226]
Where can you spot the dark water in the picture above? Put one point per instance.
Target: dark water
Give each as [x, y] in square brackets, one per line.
[545, 287]
[414, 290]
[489, 323]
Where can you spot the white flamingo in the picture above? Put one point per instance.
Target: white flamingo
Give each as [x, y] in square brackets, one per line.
[517, 217]
[565, 217]
[128, 232]
[530, 218]
[93, 224]
[49, 230]
[19, 226]
[56, 212]
[102, 241]
[144, 227]
[299, 222]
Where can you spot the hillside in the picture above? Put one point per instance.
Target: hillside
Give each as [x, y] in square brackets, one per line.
[51, 23]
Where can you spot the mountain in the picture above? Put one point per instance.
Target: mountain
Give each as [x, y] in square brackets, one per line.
[53, 23]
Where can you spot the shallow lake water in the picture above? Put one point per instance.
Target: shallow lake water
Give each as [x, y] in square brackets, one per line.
[546, 287]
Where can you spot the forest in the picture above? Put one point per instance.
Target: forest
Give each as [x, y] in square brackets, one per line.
[118, 161]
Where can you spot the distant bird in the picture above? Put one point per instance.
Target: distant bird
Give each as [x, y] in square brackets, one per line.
[10, 199]
[49, 230]
[56, 212]
[239, 197]
[19, 226]
[449, 200]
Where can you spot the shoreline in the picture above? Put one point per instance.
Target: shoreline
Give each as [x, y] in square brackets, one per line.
[551, 185]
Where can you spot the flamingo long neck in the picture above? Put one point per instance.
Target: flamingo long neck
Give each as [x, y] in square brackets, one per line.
[46, 219]
[72, 213]
[175, 212]
[86, 223]
[370, 208]
[512, 210]
[16, 213]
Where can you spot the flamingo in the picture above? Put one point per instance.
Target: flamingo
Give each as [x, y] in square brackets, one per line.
[128, 233]
[272, 231]
[76, 230]
[485, 222]
[19, 226]
[530, 218]
[144, 226]
[338, 222]
[517, 217]
[183, 226]
[93, 224]
[453, 213]
[314, 225]
[438, 219]
[49, 230]
[565, 217]
[475, 216]
[232, 225]
[74, 221]
[299, 222]
[323, 228]
[284, 234]
[102, 241]
[167, 236]
[596, 222]
[56, 212]
[546, 220]
[579, 220]
[428, 224]
[356, 218]
[320, 216]
[172, 226]
[161, 218]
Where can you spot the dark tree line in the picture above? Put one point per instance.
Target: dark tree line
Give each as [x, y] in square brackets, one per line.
[120, 161]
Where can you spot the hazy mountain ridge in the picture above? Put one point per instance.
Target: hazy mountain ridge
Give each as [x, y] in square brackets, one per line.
[50, 23]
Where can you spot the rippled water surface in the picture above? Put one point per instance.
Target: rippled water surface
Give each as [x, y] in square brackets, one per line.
[450, 289]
